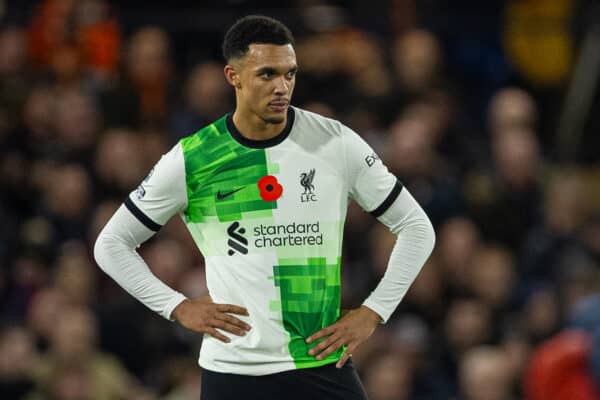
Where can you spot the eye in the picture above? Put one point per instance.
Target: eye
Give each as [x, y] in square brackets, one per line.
[266, 74]
[291, 74]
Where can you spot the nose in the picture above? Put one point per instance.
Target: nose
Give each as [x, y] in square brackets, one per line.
[282, 86]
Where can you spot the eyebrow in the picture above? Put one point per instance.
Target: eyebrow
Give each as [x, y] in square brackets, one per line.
[272, 70]
[263, 70]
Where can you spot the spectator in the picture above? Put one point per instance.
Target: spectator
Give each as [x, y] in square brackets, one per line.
[18, 360]
[411, 153]
[207, 97]
[417, 61]
[493, 277]
[389, 377]
[511, 108]
[74, 367]
[84, 29]
[485, 375]
[505, 201]
[459, 241]
[90, 99]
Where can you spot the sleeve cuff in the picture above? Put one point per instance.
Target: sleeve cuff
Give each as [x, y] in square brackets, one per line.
[377, 309]
[174, 302]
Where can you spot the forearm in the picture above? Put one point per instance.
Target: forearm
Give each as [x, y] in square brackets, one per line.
[115, 253]
[413, 246]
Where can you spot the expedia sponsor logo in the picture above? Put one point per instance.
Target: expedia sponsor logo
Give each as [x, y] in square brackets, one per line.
[371, 159]
[288, 235]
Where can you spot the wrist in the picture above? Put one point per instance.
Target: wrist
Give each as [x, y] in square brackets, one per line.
[177, 311]
[372, 315]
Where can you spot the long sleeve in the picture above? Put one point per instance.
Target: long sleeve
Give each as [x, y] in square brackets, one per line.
[379, 192]
[160, 196]
[414, 244]
[115, 252]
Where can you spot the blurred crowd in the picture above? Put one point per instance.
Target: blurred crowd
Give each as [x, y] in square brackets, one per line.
[460, 102]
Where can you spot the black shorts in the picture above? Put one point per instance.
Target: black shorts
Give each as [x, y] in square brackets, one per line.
[326, 382]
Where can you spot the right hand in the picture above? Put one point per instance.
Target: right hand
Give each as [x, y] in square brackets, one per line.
[203, 316]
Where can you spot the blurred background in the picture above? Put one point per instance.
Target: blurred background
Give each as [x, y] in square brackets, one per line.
[488, 112]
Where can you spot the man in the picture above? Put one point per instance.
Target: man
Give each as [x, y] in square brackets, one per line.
[264, 193]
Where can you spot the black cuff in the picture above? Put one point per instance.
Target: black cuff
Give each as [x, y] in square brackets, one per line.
[389, 200]
[143, 218]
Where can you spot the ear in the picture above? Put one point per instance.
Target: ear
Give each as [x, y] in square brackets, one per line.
[232, 76]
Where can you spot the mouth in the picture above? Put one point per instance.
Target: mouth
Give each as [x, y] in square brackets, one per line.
[279, 105]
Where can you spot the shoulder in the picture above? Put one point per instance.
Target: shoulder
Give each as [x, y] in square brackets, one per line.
[206, 133]
[318, 123]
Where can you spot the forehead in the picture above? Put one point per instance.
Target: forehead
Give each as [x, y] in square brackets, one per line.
[270, 55]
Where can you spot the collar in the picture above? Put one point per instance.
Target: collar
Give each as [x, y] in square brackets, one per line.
[261, 144]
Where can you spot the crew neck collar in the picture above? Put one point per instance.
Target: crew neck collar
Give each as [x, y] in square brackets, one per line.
[261, 144]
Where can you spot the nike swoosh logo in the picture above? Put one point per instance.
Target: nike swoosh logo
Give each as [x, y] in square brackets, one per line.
[224, 195]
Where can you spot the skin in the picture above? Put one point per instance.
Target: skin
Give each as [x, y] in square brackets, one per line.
[264, 80]
[203, 316]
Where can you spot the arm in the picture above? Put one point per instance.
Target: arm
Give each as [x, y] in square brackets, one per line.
[414, 244]
[115, 253]
[161, 195]
[379, 192]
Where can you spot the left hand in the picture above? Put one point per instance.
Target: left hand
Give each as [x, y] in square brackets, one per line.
[352, 329]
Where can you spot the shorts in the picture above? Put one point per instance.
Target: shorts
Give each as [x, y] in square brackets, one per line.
[326, 382]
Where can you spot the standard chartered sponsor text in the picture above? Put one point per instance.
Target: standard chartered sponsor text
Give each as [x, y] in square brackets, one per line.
[294, 234]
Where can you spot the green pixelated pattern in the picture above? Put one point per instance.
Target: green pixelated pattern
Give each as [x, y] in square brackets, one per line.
[214, 162]
[310, 301]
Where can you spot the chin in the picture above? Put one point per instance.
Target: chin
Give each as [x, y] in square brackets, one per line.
[274, 120]
[274, 117]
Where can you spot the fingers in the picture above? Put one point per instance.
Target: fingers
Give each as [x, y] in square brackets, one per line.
[233, 321]
[351, 330]
[202, 316]
[217, 335]
[347, 354]
[229, 323]
[231, 308]
[339, 335]
[330, 349]
[227, 327]
[324, 344]
[322, 333]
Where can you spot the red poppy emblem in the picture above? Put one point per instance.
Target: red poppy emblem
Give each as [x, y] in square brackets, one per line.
[270, 189]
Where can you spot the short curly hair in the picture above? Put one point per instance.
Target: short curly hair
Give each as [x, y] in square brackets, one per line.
[254, 29]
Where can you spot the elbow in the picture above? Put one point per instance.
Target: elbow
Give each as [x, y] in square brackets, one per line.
[100, 251]
[430, 234]
[426, 232]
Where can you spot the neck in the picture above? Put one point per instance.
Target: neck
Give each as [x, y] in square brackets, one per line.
[252, 127]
